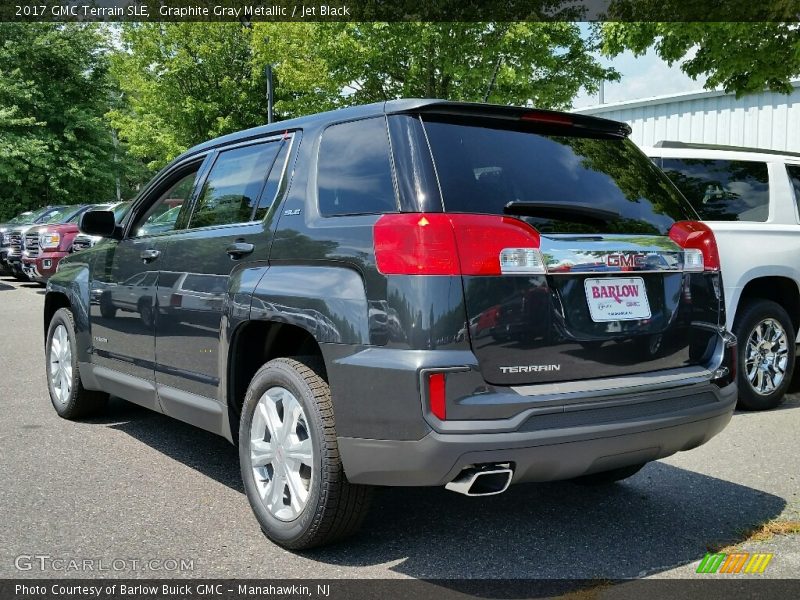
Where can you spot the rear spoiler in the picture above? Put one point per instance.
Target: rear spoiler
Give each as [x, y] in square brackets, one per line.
[552, 119]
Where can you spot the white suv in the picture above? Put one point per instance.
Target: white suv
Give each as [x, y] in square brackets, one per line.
[751, 200]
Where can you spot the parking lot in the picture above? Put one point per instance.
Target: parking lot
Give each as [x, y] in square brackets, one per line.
[137, 485]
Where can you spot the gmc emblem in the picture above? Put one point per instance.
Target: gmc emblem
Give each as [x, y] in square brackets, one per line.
[625, 260]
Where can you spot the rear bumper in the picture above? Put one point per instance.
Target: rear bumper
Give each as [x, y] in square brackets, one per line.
[551, 450]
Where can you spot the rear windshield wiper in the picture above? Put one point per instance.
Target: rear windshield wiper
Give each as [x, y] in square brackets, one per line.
[572, 212]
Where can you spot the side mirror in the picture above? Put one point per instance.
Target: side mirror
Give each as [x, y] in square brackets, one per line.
[98, 222]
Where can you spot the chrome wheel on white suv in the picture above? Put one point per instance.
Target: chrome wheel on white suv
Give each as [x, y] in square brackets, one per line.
[766, 340]
[767, 355]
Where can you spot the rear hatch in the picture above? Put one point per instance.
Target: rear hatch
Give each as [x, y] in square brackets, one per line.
[615, 288]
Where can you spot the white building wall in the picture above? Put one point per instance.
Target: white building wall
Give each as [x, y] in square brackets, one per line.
[765, 120]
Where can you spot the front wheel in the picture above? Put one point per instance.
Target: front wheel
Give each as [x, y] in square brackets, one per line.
[70, 399]
[766, 354]
[289, 458]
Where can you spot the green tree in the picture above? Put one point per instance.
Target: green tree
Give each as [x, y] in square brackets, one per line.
[541, 64]
[740, 57]
[187, 82]
[55, 146]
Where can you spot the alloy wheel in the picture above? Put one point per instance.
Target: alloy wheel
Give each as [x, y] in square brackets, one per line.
[766, 356]
[61, 364]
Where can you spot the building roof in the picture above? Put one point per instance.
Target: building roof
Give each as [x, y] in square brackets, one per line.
[663, 99]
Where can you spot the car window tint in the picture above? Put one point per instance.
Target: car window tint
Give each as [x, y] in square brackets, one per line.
[354, 172]
[722, 190]
[273, 181]
[794, 176]
[482, 166]
[150, 278]
[162, 215]
[232, 189]
[168, 278]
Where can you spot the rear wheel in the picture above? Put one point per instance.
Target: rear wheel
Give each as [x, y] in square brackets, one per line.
[766, 354]
[608, 477]
[107, 308]
[146, 312]
[70, 399]
[290, 462]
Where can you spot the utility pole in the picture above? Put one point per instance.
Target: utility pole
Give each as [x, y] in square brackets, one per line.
[246, 24]
[270, 87]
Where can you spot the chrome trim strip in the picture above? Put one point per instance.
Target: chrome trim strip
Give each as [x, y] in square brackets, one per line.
[628, 384]
[571, 254]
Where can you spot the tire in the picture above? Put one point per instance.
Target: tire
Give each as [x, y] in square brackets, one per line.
[328, 507]
[608, 477]
[70, 399]
[756, 320]
[19, 275]
[146, 313]
[107, 308]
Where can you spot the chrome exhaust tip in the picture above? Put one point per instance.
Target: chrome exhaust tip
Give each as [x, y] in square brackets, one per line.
[482, 480]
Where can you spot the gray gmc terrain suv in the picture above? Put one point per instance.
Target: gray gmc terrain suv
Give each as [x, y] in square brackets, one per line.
[410, 293]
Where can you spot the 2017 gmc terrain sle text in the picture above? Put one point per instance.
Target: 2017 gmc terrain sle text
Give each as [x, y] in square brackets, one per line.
[402, 294]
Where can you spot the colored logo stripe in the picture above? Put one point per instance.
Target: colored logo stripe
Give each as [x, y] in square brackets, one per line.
[734, 563]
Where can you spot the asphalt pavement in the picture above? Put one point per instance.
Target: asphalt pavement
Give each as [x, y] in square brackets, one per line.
[139, 487]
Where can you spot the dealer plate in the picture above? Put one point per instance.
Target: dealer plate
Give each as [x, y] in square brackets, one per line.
[617, 299]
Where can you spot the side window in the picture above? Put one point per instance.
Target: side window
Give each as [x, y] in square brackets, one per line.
[162, 215]
[722, 190]
[354, 172]
[234, 185]
[273, 181]
[794, 177]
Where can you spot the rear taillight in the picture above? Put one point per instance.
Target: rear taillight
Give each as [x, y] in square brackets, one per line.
[455, 244]
[699, 244]
[175, 300]
[436, 395]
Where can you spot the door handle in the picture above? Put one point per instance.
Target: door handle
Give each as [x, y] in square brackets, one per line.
[239, 249]
[150, 255]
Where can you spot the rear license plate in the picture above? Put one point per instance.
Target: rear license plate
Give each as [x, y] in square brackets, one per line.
[617, 299]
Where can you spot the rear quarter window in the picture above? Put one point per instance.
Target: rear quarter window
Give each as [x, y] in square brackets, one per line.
[354, 171]
[794, 177]
[481, 168]
[722, 190]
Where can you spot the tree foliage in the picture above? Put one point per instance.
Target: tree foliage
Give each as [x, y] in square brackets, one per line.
[544, 64]
[67, 89]
[55, 146]
[739, 57]
[188, 82]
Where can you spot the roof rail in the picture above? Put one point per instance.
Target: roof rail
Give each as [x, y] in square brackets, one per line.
[673, 144]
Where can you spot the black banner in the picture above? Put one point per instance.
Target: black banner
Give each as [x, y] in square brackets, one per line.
[701, 588]
[399, 10]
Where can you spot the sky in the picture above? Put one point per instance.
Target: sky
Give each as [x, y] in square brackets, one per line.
[642, 77]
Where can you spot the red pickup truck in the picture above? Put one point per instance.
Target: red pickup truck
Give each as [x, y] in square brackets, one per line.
[44, 247]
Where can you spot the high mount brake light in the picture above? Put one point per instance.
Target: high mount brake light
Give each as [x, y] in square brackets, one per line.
[699, 244]
[548, 118]
[455, 244]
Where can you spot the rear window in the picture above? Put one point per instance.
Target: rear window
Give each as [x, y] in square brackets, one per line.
[722, 190]
[482, 168]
